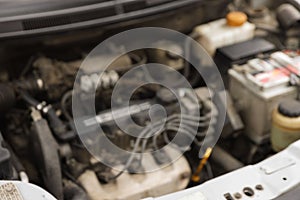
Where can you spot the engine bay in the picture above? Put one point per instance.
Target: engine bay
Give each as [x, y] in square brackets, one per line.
[147, 107]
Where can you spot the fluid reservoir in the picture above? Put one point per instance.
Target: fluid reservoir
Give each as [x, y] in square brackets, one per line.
[230, 30]
[286, 124]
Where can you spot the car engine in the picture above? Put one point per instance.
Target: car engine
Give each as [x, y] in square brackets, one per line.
[108, 100]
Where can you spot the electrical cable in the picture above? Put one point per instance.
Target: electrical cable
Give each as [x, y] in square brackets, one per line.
[132, 155]
[63, 104]
[147, 131]
[177, 126]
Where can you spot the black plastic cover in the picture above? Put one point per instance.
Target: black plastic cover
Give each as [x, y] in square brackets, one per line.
[240, 53]
[19, 18]
[246, 49]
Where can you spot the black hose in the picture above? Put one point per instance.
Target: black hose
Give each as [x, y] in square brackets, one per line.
[29, 99]
[63, 104]
[14, 159]
[7, 97]
[225, 160]
[58, 127]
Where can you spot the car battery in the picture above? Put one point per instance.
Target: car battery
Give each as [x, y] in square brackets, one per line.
[258, 86]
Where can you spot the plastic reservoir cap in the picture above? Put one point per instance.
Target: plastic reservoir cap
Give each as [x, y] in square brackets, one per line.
[289, 108]
[236, 18]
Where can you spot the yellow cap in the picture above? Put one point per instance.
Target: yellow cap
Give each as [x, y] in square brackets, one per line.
[236, 18]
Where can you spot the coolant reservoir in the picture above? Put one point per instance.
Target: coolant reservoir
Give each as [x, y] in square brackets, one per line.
[285, 125]
[234, 29]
